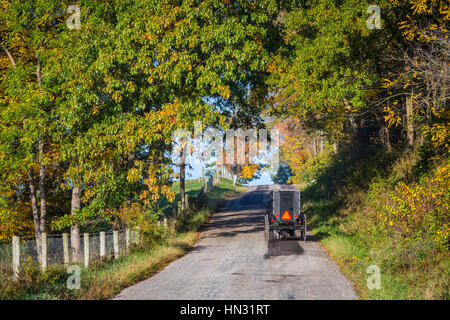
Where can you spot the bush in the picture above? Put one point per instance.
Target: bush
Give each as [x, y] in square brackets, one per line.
[420, 211]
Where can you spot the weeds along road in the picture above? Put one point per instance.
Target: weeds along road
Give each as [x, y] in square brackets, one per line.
[231, 260]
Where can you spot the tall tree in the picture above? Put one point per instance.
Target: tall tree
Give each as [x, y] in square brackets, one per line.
[26, 126]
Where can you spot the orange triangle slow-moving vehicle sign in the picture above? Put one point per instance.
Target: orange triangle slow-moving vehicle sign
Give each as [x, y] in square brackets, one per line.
[286, 216]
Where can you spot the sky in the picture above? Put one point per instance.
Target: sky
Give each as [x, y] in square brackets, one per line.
[196, 171]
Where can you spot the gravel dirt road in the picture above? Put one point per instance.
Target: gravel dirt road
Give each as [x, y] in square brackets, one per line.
[231, 260]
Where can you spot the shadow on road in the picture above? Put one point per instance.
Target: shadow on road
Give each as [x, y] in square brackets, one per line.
[232, 225]
[283, 247]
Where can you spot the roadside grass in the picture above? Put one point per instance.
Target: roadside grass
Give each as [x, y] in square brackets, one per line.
[105, 279]
[420, 280]
[190, 185]
[353, 260]
[341, 207]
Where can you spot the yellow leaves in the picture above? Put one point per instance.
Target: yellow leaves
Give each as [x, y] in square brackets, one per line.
[248, 171]
[419, 6]
[224, 91]
[391, 118]
[143, 195]
[116, 96]
[406, 85]
[439, 133]
[133, 175]
[421, 209]
[386, 83]
[16, 220]
[411, 29]
[258, 40]
[88, 194]
[271, 67]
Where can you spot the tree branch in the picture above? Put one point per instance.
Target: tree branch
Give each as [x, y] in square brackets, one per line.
[9, 55]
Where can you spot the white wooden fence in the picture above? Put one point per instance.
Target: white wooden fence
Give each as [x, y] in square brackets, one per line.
[56, 250]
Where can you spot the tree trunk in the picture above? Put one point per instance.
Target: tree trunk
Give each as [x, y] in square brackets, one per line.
[409, 121]
[182, 184]
[353, 124]
[42, 191]
[131, 158]
[321, 141]
[384, 135]
[35, 212]
[75, 229]
[130, 164]
[42, 169]
[335, 147]
[314, 145]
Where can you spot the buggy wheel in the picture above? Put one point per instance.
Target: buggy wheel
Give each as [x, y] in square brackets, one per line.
[292, 234]
[266, 228]
[303, 234]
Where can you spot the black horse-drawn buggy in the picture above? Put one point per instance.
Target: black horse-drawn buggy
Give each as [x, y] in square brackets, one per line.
[284, 216]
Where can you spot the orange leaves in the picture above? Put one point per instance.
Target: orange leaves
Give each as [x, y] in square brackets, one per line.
[258, 41]
[149, 36]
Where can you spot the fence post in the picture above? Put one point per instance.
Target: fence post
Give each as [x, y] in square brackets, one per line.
[186, 202]
[44, 251]
[16, 256]
[180, 209]
[138, 235]
[102, 244]
[86, 250]
[127, 239]
[65, 237]
[116, 244]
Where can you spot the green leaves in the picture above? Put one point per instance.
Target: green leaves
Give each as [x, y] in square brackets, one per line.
[111, 93]
[325, 74]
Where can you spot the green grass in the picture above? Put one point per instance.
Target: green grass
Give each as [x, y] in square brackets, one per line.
[192, 188]
[189, 185]
[105, 279]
